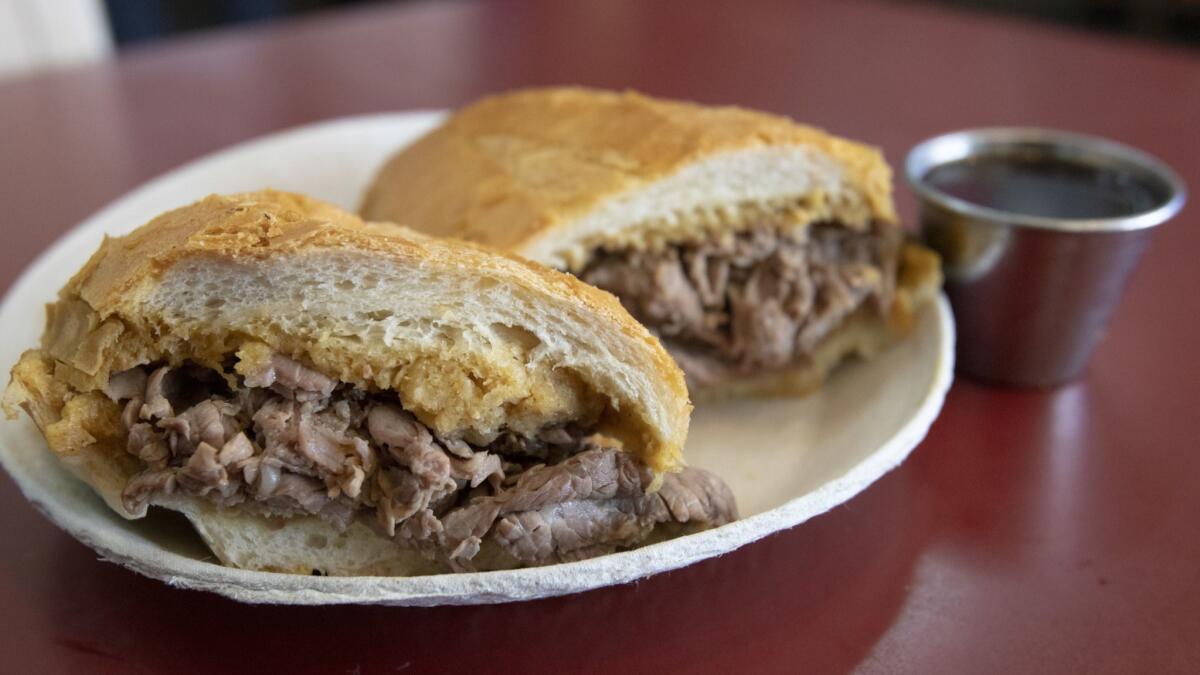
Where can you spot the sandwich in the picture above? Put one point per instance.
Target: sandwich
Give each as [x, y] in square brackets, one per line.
[321, 395]
[762, 252]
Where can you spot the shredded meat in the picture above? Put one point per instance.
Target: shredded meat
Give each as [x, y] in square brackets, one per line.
[478, 468]
[752, 302]
[156, 403]
[291, 378]
[288, 441]
[202, 473]
[591, 503]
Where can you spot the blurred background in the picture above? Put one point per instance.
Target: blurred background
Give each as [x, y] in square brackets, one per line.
[41, 34]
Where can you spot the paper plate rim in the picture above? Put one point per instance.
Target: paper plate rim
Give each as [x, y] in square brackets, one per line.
[466, 588]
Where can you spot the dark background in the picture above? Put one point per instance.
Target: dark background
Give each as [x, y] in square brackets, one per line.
[139, 21]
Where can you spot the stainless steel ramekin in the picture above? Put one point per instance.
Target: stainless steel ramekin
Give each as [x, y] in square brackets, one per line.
[1032, 295]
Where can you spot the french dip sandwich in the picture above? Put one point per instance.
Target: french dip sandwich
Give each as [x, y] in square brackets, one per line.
[322, 395]
[761, 251]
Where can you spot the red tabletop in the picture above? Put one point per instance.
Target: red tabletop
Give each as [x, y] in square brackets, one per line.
[1033, 531]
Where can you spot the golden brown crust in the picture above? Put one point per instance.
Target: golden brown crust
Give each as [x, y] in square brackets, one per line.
[540, 173]
[271, 223]
[83, 429]
[98, 326]
[521, 166]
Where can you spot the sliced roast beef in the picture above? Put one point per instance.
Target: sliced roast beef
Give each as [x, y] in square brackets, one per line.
[394, 427]
[559, 531]
[422, 476]
[156, 403]
[288, 443]
[303, 492]
[201, 423]
[480, 467]
[291, 378]
[691, 496]
[548, 446]
[403, 495]
[147, 484]
[236, 450]
[595, 500]
[755, 301]
[147, 445]
[203, 472]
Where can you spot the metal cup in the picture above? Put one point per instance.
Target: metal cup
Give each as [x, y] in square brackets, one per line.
[1032, 295]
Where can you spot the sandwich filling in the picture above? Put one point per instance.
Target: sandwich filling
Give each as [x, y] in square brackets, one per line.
[283, 440]
[755, 301]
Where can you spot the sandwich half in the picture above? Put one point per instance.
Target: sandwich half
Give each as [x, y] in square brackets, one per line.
[761, 251]
[322, 395]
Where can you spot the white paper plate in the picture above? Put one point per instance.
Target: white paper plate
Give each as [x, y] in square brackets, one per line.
[786, 460]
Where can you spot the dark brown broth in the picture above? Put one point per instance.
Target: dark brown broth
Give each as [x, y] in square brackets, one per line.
[1044, 186]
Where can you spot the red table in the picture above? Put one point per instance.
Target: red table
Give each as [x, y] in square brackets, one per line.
[1054, 531]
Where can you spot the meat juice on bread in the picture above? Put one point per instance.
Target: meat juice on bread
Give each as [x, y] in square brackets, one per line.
[762, 252]
[322, 395]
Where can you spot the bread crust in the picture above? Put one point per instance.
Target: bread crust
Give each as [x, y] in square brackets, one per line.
[554, 174]
[104, 322]
[101, 323]
[519, 169]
